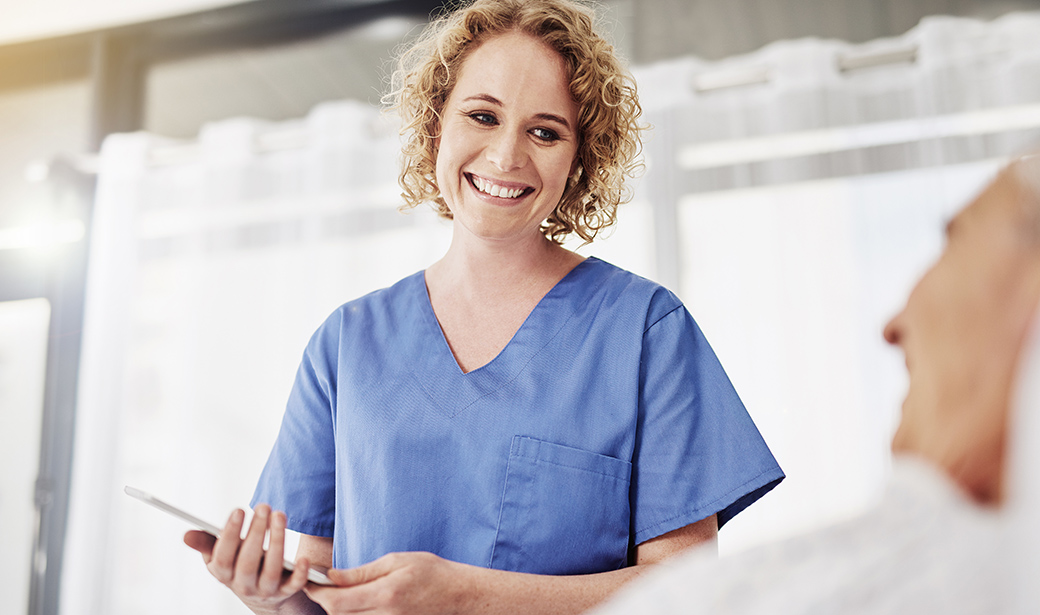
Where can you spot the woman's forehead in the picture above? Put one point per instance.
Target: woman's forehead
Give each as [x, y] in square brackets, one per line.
[516, 68]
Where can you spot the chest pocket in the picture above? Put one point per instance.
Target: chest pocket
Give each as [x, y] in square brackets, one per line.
[564, 510]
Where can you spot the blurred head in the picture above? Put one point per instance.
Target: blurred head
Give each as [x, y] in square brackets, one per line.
[962, 332]
[608, 109]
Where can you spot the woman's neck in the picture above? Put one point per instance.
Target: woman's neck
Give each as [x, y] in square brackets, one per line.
[482, 294]
[502, 267]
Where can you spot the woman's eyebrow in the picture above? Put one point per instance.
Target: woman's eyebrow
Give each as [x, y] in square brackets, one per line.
[485, 97]
[548, 117]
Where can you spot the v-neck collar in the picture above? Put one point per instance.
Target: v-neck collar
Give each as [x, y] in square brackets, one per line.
[439, 373]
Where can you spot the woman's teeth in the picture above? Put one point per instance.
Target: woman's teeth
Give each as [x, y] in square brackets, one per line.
[495, 190]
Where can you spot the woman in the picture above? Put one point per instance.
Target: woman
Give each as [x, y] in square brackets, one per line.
[518, 428]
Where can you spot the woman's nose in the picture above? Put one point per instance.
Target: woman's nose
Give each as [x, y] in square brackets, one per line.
[506, 151]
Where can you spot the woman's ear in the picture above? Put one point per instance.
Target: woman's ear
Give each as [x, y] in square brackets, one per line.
[575, 174]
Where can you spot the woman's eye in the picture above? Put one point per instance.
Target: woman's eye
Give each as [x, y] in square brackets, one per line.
[545, 134]
[483, 118]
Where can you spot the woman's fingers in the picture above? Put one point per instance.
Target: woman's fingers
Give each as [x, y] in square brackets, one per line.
[225, 551]
[366, 573]
[256, 577]
[271, 571]
[242, 563]
[414, 583]
[356, 589]
[298, 580]
[202, 542]
[251, 553]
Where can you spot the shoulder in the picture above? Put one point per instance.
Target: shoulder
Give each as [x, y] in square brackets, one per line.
[611, 285]
[379, 310]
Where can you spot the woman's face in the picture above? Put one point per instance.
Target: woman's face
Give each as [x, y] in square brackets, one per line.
[508, 139]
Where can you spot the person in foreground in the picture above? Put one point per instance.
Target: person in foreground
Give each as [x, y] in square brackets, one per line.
[516, 429]
[956, 529]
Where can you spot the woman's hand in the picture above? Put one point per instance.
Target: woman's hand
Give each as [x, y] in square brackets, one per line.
[256, 577]
[399, 583]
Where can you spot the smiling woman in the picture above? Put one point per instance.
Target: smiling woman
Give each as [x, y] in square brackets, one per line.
[518, 428]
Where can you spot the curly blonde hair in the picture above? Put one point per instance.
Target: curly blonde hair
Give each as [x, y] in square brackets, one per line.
[608, 108]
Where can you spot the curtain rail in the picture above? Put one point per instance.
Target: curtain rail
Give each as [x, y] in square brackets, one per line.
[844, 138]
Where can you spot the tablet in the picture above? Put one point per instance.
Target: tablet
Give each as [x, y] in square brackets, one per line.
[314, 575]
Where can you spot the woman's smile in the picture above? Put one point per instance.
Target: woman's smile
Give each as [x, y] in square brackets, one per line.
[507, 191]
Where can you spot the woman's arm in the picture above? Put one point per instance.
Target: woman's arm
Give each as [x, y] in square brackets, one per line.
[315, 549]
[425, 583]
[664, 546]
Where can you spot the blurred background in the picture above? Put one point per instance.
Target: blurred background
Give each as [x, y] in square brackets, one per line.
[188, 187]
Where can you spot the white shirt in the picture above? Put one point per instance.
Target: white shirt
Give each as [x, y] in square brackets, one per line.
[926, 548]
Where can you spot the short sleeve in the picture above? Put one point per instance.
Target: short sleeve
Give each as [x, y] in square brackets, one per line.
[697, 451]
[300, 476]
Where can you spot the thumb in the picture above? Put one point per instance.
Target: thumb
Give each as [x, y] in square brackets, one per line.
[362, 574]
[201, 542]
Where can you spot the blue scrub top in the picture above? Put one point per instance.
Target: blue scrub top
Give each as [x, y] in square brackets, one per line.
[606, 421]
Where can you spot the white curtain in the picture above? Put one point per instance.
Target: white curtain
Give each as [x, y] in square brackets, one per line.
[792, 213]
